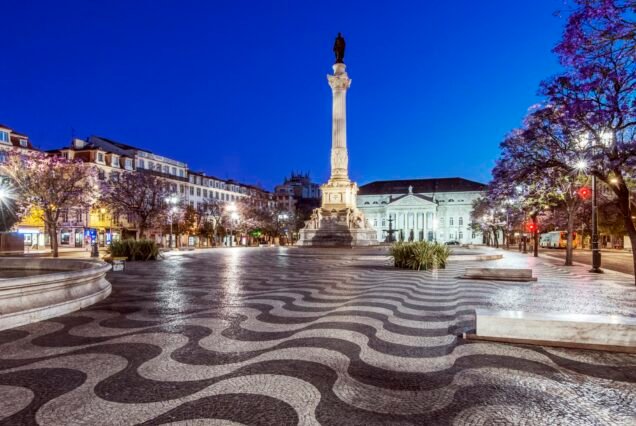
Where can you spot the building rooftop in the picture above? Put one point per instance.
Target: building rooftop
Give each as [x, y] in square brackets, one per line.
[454, 184]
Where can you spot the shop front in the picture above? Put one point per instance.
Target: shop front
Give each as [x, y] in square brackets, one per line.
[34, 237]
[71, 237]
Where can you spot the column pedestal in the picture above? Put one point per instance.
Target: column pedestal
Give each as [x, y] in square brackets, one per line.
[338, 222]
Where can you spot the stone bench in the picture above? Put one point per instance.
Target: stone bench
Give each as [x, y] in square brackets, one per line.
[499, 274]
[605, 332]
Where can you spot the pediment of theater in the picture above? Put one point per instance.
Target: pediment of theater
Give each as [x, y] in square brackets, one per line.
[412, 200]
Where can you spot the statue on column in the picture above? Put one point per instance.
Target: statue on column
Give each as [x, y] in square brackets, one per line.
[339, 49]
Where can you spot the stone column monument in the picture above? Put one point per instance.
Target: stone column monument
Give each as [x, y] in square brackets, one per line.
[338, 222]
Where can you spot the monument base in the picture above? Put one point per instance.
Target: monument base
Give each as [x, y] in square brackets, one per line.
[342, 228]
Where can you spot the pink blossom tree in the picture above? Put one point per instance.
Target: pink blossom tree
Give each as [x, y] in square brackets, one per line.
[140, 195]
[597, 93]
[50, 184]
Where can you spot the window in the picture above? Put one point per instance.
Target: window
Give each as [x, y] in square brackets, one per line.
[182, 189]
[101, 175]
[24, 143]
[192, 190]
[460, 236]
[78, 215]
[216, 195]
[128, 163]
[198, 192]
[205, 193]
[100, 157]
[166, 169]
[4, 136]
[130, 217]
[174, 170]
[181, 173]
[115, 161]
[461, 221]
[64, 215]
[450, 221]
[141, 164]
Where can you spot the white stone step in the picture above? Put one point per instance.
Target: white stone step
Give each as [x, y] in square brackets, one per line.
[574, 329]
[499, 274]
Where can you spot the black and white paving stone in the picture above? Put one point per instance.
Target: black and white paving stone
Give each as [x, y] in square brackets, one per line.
[274, 336]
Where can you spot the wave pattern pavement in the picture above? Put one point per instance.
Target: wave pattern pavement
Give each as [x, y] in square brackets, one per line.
[286, 337]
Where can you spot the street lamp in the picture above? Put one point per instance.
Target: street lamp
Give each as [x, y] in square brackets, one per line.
[233, 216]
[283, 217]
[605, 139]
[172, 200]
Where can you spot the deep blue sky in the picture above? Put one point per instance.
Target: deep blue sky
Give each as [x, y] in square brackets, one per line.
[238, 88]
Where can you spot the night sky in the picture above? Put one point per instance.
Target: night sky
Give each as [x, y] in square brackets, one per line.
[238, 89]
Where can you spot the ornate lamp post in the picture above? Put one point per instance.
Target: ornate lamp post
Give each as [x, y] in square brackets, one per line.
[585, 142]
[172, 200]
[233, 216]
[282, 217]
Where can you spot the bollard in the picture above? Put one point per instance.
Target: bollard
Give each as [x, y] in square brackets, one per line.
[94, 250]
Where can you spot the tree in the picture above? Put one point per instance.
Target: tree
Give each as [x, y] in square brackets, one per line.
[139, 195]
[597, 93]
[543, 158]
[212, 217]
[49, 185]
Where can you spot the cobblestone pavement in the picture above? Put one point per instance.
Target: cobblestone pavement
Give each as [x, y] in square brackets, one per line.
[289, 336]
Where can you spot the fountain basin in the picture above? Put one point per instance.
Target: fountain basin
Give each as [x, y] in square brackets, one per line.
[34, 289]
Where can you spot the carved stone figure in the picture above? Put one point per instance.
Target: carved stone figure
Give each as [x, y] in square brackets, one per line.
[339, 49]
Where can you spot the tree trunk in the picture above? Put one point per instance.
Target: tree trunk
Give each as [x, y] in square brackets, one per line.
[569, 243]
[53, 237]
[631, 231]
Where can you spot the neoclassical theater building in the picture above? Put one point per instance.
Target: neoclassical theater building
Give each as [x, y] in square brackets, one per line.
[421, 209]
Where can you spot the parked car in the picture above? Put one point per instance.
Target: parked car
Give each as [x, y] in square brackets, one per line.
[452, 243]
